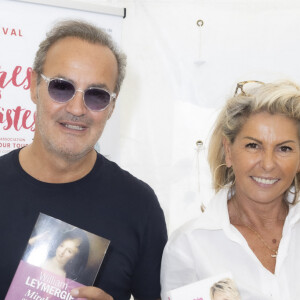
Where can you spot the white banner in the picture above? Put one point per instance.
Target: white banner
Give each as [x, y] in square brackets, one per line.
[22, 27]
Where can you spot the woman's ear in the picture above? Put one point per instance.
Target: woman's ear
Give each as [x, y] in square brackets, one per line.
[227, 152]
[34, 87]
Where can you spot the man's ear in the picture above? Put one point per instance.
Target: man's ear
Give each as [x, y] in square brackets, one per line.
[111, 108]
[227, 152]
[34, 87]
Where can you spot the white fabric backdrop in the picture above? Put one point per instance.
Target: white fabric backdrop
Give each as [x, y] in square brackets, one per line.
[169, 100]
[175, 84]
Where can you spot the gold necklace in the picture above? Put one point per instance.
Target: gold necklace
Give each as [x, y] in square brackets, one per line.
[262, 240]
[255, 232]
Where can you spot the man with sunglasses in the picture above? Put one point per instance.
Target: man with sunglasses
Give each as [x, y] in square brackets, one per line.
[76, 78]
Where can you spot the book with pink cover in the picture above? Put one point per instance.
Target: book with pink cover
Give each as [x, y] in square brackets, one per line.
[219, 287]
[58, 258]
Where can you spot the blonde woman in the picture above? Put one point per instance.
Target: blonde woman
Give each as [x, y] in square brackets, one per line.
[251, 227]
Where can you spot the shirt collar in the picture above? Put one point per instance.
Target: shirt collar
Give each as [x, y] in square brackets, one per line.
[215, 215]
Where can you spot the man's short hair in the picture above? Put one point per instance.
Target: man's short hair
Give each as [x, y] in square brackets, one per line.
[84, 31]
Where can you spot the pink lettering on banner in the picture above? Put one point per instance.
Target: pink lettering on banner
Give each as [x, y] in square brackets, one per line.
[17, 118]
[12, 31]
[15, 78]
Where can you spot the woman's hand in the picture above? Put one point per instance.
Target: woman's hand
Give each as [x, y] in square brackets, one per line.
[90, 293]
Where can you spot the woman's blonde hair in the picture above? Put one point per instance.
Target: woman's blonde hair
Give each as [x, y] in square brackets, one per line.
[275, 98]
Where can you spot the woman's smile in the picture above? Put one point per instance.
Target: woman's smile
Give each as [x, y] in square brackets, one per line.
[264, 181]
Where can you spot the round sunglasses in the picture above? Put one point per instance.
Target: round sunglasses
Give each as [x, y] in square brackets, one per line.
[62, 91]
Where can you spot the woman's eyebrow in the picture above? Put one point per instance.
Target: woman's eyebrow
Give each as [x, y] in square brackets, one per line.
[253, 139]
[286, 142]
[260, 142]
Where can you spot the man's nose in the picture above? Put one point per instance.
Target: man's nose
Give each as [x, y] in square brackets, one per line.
[76, 106]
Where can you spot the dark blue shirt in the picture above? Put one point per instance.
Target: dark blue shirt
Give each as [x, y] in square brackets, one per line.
[108, 202]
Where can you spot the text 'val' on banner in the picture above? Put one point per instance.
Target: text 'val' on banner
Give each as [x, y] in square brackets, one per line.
[23, 25]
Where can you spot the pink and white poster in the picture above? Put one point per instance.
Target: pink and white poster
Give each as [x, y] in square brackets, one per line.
[22, 27]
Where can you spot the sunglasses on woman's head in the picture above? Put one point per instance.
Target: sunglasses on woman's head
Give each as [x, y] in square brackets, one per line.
[62, 91]
[250, 85]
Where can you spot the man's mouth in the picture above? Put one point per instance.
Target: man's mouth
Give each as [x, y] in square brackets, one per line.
[74, 127]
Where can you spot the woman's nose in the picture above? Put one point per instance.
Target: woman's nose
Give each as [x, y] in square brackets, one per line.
[268, 160]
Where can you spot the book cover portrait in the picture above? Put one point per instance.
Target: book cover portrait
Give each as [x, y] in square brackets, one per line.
[58, 258]
[218, 287]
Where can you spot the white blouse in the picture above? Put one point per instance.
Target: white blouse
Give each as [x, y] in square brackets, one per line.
[210, 245]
